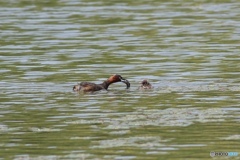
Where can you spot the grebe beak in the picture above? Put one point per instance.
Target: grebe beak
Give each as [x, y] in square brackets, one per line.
[74, 88]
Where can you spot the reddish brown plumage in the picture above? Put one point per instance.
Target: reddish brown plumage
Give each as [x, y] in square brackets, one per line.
[91, 87]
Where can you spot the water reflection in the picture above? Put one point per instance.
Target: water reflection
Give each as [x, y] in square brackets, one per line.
[188, 51]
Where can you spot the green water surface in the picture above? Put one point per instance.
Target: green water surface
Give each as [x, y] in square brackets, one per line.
[188, 50]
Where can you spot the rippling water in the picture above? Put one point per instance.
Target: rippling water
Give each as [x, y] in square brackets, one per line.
[188, 50]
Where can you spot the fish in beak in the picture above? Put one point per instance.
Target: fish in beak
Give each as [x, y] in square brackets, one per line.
[126, 82]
